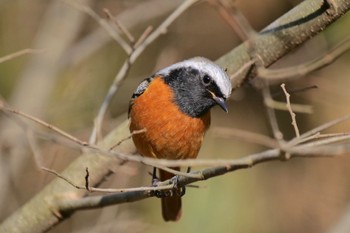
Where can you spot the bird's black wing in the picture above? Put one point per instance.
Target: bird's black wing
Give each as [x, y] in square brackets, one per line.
[139, 91]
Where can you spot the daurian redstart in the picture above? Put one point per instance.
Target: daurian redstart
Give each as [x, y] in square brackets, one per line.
[173, 107]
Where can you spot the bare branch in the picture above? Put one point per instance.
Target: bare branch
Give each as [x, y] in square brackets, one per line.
[242, 71]
[162, 29]
[301, 108]
[43, 123]
[326, 140]
[135, 53]
[319, 129]
[292, 114]
[308, 67]
[20, 53]
[62, 177]
[151, 162]
[127, 138]
[246, 136]
[295, 31]
[119, 25]
[104, 24]
[106, 190]
[165, 164]
[272, 115]
[143, 36]
[131, 17]
[234, 18]
[70, 206]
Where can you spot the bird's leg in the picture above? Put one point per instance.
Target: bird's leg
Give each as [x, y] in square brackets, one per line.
[155, 180]
[183, 189]
[180, 191]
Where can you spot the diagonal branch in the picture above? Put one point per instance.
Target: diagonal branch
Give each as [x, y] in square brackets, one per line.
[136, 51]
[306, 68]
[281, 37]
[93, 202]
[19, 53]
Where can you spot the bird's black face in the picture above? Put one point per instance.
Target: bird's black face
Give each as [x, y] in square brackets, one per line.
[195, 92]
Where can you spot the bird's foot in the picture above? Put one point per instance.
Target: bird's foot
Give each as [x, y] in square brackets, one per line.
[157, 193]
[176, 190]
[179, 191]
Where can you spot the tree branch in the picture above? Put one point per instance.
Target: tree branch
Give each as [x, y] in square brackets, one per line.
[280, 37]
[132, 56]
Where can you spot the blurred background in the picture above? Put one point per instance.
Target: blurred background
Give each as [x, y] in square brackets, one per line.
[66, 82]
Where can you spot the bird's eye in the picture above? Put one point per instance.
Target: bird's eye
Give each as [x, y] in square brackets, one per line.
[206, 80]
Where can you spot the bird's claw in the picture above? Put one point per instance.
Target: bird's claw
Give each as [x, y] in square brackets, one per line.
[178, 191]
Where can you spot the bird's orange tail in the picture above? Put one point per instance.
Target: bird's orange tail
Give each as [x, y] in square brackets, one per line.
[171, 206]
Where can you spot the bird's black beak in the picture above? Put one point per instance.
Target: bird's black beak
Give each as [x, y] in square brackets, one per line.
[221, 102]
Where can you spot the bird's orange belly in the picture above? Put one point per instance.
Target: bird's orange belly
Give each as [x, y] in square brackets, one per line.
[170, 134]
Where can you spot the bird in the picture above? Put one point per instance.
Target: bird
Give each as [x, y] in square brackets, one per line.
[172, 109]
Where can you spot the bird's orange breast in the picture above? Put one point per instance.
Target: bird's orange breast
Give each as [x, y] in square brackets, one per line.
[170, 133]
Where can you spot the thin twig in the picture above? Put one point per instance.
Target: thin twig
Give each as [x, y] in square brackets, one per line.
[301, 108]
[19, 53]
[328, 151]
[319, 129]
[303, 69]
[242, 69]
[107, 100]
[127, 138]
[103, 23]
[43, 123]
[119, 25]
[246, 136]
[106, 190]
[306, 139]
[295, 90]
[143, 36]
[62, 177]
[292, 114]
[246, 162]
[33, 145]
[272, 115]
[234, 18]
[133, 55]
[133, 17]
[164, 164]
[162, 29]
[85, 145]
[335, 138]
[311, 149]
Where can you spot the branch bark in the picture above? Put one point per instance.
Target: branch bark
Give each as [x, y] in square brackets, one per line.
[44, 210]
[281, 36]
[41, 70]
